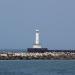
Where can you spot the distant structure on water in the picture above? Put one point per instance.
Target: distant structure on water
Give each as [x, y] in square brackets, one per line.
[37, 40]
[37, 45]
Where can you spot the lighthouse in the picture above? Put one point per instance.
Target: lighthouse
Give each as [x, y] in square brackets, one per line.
[37, 40]
[37, 45]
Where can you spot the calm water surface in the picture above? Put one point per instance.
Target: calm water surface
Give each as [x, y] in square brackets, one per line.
[37, 67]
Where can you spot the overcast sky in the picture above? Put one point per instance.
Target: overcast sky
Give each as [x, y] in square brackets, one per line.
[54, 18]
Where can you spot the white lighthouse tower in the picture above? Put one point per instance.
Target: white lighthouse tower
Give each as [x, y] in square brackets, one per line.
[37, 46]
[37, 40]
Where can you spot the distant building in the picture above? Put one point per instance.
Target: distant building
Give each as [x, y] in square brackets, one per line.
[37, 40]
[37, 46]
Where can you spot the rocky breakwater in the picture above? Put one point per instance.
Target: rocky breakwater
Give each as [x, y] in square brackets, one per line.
[37, 56]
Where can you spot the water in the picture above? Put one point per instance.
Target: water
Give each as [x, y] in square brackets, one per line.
[37, 67]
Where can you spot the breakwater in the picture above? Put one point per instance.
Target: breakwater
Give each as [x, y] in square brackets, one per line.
[31, 55]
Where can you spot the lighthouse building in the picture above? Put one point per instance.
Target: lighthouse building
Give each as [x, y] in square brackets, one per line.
[37, 40]
[37, 45]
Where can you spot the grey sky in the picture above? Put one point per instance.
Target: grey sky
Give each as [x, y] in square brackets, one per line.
[55, 20]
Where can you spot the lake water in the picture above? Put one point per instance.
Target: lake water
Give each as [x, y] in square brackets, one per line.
[37, 67]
